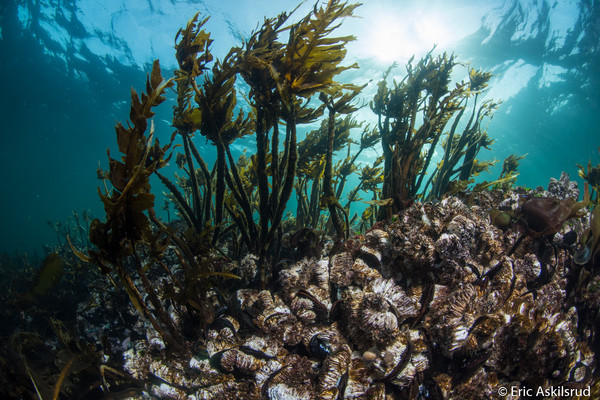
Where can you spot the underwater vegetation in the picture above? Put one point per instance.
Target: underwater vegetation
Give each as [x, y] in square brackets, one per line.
[592, 176]
[412, 116]
[237, 207]
[40, 350]
[441, 289]
[76, 229]
[590, 240]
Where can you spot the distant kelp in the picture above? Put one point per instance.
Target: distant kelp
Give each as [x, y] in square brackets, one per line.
[313, 174]
[76, 227]
[49, 274]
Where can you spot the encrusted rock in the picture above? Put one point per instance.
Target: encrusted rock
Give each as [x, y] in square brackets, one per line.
[436, 301]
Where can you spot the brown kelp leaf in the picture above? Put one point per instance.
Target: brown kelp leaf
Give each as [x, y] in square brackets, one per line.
[156, 76]
[379, 203]
[49, 275]
[545, 215]
[82, 256]
[192, 50]
[143, 201]
[123, 138]
[118, 174]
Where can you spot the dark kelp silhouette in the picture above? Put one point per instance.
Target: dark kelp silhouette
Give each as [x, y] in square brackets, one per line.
[282, 78]
[412, 116]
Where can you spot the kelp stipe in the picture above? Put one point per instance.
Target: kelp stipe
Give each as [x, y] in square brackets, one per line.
[316, 171]
[338, 102]
[192, 54]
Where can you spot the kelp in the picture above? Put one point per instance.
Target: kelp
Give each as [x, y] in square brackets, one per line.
[214, 118]
[591, 176]
[76, 227]
[344, 168]
[309, 62]
[127, 225]
[508, 175]
[412, 116]
[460, 150]
[339, 102]
[134, 238]
[313, 154]
[49, 275]
[193, 55]
[282, 77]
[237, 205]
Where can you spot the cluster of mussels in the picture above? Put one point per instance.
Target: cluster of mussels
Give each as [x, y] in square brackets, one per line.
[435, 303]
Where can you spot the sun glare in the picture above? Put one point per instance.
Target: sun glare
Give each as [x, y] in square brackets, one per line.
[390, 37]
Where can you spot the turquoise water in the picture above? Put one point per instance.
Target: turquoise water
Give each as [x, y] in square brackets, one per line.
[67, 69]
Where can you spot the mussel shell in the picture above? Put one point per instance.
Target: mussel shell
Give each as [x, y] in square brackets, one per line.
[319, 346]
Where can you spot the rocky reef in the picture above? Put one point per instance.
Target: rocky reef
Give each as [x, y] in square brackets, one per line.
[435, 303]
[444, 288]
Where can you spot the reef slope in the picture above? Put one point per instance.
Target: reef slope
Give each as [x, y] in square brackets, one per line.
[436, 302]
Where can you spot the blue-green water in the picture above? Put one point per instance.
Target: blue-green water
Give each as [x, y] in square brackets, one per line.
[66, 70]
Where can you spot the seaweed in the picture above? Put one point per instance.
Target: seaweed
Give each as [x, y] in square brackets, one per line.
[238, 205]
[339, 102]
[508, 175]
[76, 227]
[49, 275]
[313, 155]
[231, 216]
[280, 77]
[591, 176]
[192, 54]
[283, 77]
[412, 116]
[127, 226]
[132, 240]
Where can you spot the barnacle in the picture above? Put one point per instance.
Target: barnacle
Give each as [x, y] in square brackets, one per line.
[334, 376]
